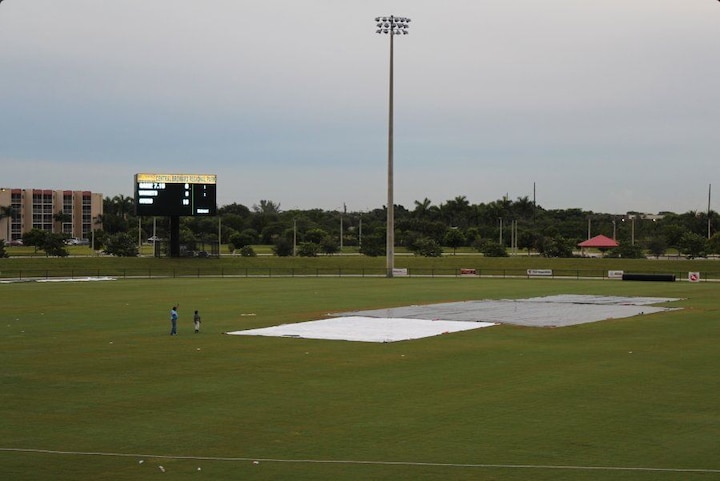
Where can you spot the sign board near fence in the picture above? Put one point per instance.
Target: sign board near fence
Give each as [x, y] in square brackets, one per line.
[615, 274]
[694, 276]
[540, 272]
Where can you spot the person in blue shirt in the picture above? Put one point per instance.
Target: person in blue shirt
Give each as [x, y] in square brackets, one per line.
[173, 320]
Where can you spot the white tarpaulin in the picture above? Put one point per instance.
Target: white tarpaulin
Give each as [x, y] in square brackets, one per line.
[367, 329]
[415, 322]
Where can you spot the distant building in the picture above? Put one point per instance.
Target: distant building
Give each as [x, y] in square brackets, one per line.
[652, 217]
[39, 209]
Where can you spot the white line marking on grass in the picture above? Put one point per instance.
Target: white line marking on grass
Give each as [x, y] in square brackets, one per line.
[378, 463]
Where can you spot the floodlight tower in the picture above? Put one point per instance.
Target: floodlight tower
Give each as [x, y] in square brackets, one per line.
[392, 26]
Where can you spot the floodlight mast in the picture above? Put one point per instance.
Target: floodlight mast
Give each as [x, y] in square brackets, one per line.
[392, 26]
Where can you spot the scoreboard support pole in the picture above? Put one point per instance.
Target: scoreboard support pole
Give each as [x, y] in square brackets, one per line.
[174, 236]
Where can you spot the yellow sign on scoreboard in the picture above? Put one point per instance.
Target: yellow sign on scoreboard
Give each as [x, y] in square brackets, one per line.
[177, 178]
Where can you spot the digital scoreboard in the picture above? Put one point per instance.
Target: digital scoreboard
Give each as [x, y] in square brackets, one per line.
[175, 194]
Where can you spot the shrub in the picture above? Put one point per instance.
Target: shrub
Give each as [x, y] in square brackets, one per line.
[121, 245]
[373, 246]
[627, 251]
[555, 246]
[329, 245]
[308, 249]
[315, 235]
[491, 249]
[282, 247]
[426, 247]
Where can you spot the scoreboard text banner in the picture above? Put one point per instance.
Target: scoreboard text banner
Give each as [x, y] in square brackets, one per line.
[175, 194]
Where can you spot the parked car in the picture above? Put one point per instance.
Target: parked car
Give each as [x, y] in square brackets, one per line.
[74, 241]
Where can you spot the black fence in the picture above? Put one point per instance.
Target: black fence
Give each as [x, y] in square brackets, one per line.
[229, 272]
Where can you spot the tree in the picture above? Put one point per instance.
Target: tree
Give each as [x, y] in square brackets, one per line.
[713, 244]
[3, 252]
[523, 208]
[271, 231]
[426, 247]
[491, 248]
[99, 239]
[7, 211]
[527, 240]
[234, 222]
[35, 238]
[456, 211]
[251, 236]
[62, 217]
[657, 246]
[54, 245]
[673, 233]
[454, 238]
[373, 245]
[308, 249]
[116, 213]
[472, 235]
[315, 235]
[693, 245]
[422, 208]
[242, 239]
[556, 246]
[235, 209]
[329, 245]
[282, 247]
[121, 245]
[627, 251]
[267, 207]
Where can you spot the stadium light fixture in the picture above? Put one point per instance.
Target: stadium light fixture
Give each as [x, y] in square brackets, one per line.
[392, 26]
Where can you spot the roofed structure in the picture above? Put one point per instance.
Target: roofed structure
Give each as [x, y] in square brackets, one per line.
[599, 242]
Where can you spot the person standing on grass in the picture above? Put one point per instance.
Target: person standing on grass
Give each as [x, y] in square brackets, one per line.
[196, 319]
[173, 321]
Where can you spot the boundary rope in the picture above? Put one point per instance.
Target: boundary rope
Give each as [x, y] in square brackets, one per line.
[360, 462]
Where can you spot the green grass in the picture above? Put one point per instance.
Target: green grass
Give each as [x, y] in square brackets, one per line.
[90, 367]
[340, 265]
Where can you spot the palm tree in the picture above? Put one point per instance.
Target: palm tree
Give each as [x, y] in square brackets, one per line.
[267, 207]
[123, 205]
[457, 211]
[523, 207]
[422, 208]
[7, 211]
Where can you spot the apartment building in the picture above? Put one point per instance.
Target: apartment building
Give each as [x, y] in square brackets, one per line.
[39, 209]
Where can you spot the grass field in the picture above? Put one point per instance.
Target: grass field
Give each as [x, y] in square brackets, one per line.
[92, 384]
[24, 267]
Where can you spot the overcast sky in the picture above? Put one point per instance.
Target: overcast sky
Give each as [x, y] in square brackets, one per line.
[607, 106]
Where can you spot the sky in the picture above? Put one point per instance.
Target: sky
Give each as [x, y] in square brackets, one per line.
[608, 106]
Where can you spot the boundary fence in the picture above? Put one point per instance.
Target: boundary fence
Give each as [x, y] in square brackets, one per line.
[234, 272]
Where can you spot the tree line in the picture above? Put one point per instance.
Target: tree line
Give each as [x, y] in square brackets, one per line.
[496, 228]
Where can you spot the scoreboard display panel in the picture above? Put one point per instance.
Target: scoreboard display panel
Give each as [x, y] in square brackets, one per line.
[176, 194]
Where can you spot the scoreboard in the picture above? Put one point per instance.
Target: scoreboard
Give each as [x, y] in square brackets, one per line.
[176, 194]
